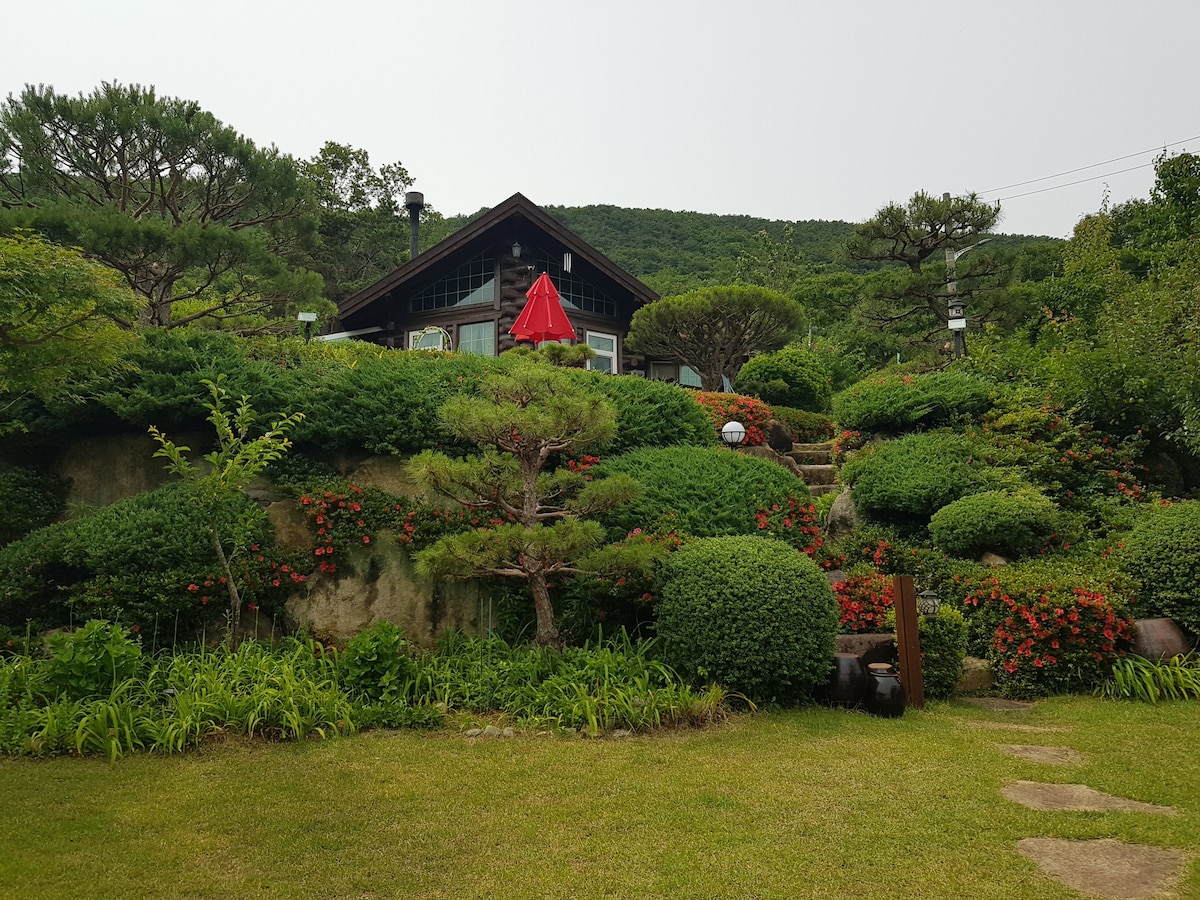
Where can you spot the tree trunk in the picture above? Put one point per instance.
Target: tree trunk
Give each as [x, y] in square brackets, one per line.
[547, 631]
[235, 600]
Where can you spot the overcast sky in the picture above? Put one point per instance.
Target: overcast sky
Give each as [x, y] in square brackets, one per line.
[785, 109]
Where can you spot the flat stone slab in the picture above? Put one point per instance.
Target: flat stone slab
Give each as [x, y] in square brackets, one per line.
[1051, 756]
[1018, 726]
[1075, 798]
[999, 704]
[1106, 867]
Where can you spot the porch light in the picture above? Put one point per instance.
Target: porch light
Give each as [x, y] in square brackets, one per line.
[516, 249]
[733, 433]
[928, 604]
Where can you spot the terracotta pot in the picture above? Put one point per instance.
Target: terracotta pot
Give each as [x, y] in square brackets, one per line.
[885, 694]
[1158, 639]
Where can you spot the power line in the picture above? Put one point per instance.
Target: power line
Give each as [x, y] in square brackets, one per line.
[1106, 162]
[1055, 187]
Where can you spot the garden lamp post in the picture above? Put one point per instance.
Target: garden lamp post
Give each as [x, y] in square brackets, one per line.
[307, 318]
[928, 604]
[733, 433]
[957, 321]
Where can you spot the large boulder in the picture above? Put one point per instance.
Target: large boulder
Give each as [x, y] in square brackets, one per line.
[843, 516]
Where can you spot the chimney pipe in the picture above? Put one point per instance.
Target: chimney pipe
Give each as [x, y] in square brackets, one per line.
[414, 202]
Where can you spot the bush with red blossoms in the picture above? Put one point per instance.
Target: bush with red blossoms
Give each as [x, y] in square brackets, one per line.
[864, 601]
[752, 413]
[1051, 639]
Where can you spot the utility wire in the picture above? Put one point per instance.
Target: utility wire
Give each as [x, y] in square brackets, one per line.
[1070, 183]
[1005, 187]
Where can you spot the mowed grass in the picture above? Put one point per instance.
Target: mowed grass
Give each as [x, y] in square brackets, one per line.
[811, 803]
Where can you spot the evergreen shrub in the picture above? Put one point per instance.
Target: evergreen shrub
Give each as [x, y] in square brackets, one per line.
[793, 377]
[898, 403]
[1010, 523]
[943, 649]
[909, 479]
[1162, 552]
[806, 427]
[751, 614]
[650, 413]
[31, 501]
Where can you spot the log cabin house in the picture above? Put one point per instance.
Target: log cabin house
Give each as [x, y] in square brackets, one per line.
[465, 292]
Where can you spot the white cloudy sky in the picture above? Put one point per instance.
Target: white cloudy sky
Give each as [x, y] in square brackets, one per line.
[786, 109]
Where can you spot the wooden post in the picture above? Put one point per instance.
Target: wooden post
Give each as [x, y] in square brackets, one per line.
[908, 640]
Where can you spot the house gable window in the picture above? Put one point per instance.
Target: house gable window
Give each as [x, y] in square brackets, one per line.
[471, 283]
[478, 337]
[574, 291]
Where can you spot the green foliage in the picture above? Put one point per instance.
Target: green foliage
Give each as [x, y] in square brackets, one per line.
[92, 661]
[753, 414]
[793, 377]
[907, 480]
[700, 491]
[713, 329]
[1137, 678]
[376, 665]
[806, 427]
[32, 500]
[1010, 523]
[894, 404]
[751, 614]
[943, 648]
[1162, 552]
[649, 413]
[1049, 635]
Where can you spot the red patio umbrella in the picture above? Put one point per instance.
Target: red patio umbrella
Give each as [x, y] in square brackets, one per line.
[543, 318]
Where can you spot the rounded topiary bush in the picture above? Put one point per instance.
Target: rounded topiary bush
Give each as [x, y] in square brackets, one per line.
[707, 492]
[907, 480]
[749, 613]
[894, 404]
[1011, 524]
[793, 377]
[943, 649]
[1162, 552]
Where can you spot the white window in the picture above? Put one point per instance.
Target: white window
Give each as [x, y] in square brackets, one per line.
[478, 337]
[605, 346]
[429, 339]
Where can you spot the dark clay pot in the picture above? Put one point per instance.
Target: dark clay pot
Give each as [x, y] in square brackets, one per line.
[885, 694]
[847, 681]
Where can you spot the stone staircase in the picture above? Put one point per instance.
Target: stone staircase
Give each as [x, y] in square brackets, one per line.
[815, 462]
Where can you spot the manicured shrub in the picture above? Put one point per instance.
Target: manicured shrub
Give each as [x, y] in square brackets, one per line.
[752, 413]
[907, 480]
[650, 413]
[707, 492]
[31, 500]
[375, 664]
[1049, 637]
[894, 404]
[943, 649]
[1162, 552]
[1009, 523]
[792, 376]
[806, 427]
[751, 614]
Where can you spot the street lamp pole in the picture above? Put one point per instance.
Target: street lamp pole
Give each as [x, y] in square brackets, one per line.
[957, 321]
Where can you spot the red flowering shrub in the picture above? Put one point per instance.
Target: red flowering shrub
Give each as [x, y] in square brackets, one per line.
[1051, 639]
[794, 521]
[752, 413]
[863, 602]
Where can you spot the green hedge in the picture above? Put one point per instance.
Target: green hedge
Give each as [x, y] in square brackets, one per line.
[1162, 552]
[31, 501]
[751, 614]
[943, 649]
[897, 403]
[650, 413]
[1012, 524]
[906, 481]
[792, 376]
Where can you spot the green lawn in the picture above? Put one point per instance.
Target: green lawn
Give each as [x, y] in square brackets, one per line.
[814, 803]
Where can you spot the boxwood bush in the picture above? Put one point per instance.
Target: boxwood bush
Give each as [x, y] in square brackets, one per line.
[1010, 523]
[907, 480]
[898, 403]
[650, 413]
[943, 649]
[792, 376]
[751, 614]
[1162, 552]
[702, 491]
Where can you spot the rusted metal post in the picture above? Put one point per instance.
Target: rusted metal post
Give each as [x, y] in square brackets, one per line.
[908, 640]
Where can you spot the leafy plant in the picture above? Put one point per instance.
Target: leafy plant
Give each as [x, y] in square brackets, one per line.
[943, 649]
[91, 662]
[1162, 552]
[749, 613]
[793, 377]
[375, 665]
[1137, 678]
[31, 499]
[897, 403]
[1010, 523]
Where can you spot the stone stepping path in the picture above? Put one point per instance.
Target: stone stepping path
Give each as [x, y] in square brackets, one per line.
[1106, 867]
[1076, 798]
[1051, 756]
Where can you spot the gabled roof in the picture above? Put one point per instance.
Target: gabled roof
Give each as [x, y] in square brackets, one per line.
[518, 206]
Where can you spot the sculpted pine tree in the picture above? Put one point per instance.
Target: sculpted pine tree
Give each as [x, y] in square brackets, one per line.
[520, 420]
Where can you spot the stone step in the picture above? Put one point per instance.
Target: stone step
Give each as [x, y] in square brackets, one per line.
[818, 489]
[811, 457]
[826, 446]
[817, 474]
